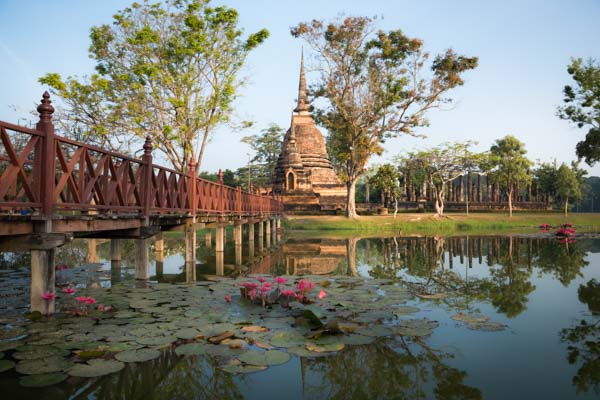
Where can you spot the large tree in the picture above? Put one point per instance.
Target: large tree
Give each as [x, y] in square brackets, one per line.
[167, 70]
[387, 179]
[376, 86]
[511, 166]
[582, 106]
[567, 185]
[266, 146]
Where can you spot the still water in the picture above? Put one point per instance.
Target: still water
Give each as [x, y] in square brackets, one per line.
[544, 294]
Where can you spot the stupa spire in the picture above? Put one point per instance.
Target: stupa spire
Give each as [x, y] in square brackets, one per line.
[303, 105]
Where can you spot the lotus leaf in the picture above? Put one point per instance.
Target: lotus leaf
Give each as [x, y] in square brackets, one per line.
[140, 355]
[190, 349]
[96, 367]
[234, 343]
[189, 333]
[5, 365]
[486, 326]
[89, 354]
[40, 352]
[12, 333]
[254, 328]
[325, 348]
[156, 340]
[287, 339]
[402, 310]
[266, 358]
[357, 339]
[302, 351]
[472, 317]
[42, 380]
[242, 369]
[375, 331]
[43, 365]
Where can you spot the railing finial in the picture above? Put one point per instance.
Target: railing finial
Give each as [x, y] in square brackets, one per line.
[45, 109]
[148, 145]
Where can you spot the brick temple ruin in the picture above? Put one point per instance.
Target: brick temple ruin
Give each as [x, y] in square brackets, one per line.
[304, 177]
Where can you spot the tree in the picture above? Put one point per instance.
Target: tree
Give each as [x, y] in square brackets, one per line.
[511, 165]
[387, 179]
[545, 179]
[582, 106]
[443, 164]
[266, 147]
[165, 70]
[567, 185]
[375, 88]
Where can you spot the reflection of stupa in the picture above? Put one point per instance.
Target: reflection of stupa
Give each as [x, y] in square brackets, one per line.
[304, 176]
[314, 257]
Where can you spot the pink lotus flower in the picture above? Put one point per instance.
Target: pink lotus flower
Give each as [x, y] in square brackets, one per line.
[250, 285]
[267, 284]
[81, 299]
[261, 279]
[287, 293]
[322, 295]
[265, 289]
[228, 299]
[252, 294]
[280, 280]
[305, 286]
[90, 300]
[100, 307]
[48, 296]
[107, 308]
[69, 290]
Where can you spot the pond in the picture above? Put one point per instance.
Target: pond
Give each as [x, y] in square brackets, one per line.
[487, 317]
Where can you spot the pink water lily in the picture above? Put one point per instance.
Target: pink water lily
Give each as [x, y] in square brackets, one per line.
[69, 290]
[90, 300]
[81, 299]
[305, 285]
[48, 296]
[322, 295]
[287, 293]
[252, 294]
[228, 298]
[261, 279]
[250, 285]
[280, 280]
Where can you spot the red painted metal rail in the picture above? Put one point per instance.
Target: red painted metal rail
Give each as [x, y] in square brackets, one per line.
[49, 174]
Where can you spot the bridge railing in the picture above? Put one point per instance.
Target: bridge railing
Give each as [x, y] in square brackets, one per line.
[48, 174]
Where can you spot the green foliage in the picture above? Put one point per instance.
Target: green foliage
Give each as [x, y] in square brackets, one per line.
[374, 89]
[582, 106]
[511, 167]
[567, 185]
[266, 147]
[168, 70]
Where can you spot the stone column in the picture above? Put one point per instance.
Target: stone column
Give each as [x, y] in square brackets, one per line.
[220, 238]
[251, 231]
[159, 253]
[268, 232]
[237, 238]
[42, 280]
[190, 252]
[141, 258]
[219, 263]
[208, 238]
[115, 260]
[261, 236]
[92, 255]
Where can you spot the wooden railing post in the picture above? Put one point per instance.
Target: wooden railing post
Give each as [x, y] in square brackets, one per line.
[146, 184]
[221, 197]
[239, 200]
[192, 188]
[47, 173]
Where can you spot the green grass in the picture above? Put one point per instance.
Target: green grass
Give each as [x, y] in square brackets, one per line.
[480, 223]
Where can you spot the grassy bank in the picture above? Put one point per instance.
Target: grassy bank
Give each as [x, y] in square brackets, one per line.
[480, 223]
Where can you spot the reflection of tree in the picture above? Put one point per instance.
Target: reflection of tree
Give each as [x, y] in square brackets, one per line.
[590, 295]
[509, 287]
[564, 261]
[385, 370]
[584, 349]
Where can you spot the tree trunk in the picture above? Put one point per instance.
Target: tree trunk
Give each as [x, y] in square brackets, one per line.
[367, 192]
[510, 203]
[566, 205]
[395, 206]
[350, 199]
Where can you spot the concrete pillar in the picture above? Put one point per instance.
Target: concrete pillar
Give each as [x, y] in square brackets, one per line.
[42, 280]
[190, 253]
[251, 231]
[159, 247]
[115, 272]
[115, 250]
[237, 237]
[274, 230]
[250, 250]
[220, 238]
[278, 228]
[220, 263]
[142, 250]
[268, 233]
[208, 238]
[261, 235]
[92, 255]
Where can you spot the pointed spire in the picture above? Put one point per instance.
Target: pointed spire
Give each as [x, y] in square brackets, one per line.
[303, 105]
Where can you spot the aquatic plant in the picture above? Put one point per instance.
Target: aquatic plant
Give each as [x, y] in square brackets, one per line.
[48, 296]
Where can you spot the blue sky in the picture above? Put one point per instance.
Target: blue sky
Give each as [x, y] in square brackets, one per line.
[523, 49]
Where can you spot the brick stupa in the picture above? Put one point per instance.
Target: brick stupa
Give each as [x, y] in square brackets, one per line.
[304, 177]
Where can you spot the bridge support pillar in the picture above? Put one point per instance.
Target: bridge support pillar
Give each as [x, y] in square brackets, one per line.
[237, 237]
[250, 250]
[273, 223]
[268, 232]
[190, 253]
[278, 228]
[220, 263]
[159, 254]
[141, 258]
[220, 238]
[92, 254]
[42, 280]
[261, 236]
[251, 231]
[208, 238]
[115, 250]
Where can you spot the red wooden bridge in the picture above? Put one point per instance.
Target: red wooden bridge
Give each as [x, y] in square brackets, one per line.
[53, 188]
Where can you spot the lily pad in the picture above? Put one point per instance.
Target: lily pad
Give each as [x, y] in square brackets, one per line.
[325, 348]
[486, 326]
[242, 369]
[156, 341]
[357, 340]
[302, 351]
[40, 352]
[89, 354]
[42, 380]
[140, 355]
[471, 317]
[189, 333]
[375, 331]
[6, 365]
[43, 365]
[403, 310]
[267, 358]
[97, 367]
[9, 345]
[191, 349]
[287, 339]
